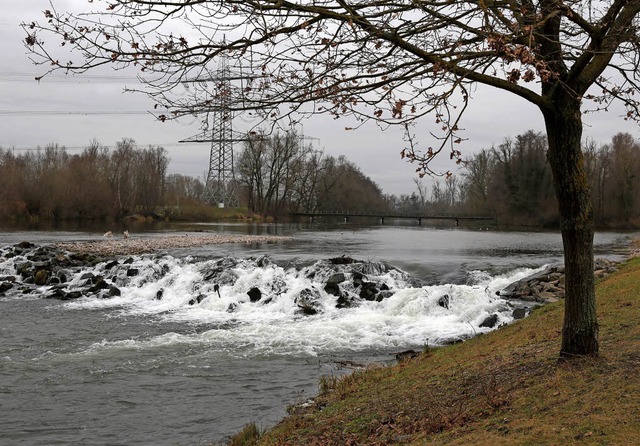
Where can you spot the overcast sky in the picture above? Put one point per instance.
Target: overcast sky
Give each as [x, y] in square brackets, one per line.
[72, 111]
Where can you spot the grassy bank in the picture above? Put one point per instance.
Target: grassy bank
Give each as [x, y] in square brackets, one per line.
[506, 387]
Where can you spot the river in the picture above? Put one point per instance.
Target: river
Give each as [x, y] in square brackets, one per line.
[138, 370]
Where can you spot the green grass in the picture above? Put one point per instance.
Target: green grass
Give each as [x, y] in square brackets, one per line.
[503, 388]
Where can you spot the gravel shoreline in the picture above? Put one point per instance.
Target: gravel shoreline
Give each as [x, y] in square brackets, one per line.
[144, 245]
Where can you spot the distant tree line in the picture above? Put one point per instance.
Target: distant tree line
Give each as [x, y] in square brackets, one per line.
[274, 173]
[280, 173]
[98, 183]
[513, 181]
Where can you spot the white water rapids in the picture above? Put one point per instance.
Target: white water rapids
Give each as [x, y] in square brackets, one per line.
[166, 290]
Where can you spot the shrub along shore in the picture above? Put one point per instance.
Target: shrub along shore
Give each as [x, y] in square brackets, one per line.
[503, 388]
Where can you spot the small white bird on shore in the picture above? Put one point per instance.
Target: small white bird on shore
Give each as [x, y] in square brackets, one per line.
[126, 234]
[108, 234]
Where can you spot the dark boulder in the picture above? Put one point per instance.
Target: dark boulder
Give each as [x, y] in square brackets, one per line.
[73, 295]
[62, 276]
[333, 284]
[357, 278]
[344, 301]
[24, 269]
[254, 294]
[40, 277]
[519, 313]
[112, 264]
[25, 245]
[59, 293]
[88, 277]
[444, 301]
[5, 286]
[490, 321]
[56, 293]
[114, 291]
[99, 285]
[132, 272]
[368, 291]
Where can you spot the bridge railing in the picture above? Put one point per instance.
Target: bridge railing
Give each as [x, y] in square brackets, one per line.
[390, 214]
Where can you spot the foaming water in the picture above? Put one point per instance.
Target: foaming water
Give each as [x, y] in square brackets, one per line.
[226, 321]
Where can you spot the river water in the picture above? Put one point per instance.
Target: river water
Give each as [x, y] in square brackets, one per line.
[136, 370]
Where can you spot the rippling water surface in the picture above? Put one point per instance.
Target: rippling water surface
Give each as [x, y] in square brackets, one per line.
[138, 370]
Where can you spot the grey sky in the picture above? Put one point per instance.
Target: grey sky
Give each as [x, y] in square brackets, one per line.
[491, 117]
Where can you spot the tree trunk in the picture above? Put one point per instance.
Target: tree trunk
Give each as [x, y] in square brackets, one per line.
[564, 129]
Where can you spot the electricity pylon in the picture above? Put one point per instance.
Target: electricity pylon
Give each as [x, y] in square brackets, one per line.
[220, 188]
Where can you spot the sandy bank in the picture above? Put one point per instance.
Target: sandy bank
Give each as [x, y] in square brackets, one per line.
[152, 244]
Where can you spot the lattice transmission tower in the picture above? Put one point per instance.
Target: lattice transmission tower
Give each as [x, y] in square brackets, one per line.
[220, 188]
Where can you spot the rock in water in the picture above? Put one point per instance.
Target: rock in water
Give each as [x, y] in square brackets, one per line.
[490, 322]
[254, 294]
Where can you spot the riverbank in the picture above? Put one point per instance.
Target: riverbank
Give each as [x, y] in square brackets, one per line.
[505, 387]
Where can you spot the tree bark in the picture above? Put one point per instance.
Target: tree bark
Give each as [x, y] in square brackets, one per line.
[564, 130]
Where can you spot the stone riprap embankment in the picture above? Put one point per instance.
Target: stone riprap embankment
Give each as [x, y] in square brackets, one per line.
[130, 246]
[548, 286]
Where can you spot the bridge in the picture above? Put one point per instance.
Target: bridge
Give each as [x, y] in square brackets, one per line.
[382, 215]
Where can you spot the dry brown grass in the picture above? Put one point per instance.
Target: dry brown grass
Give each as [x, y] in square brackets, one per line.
[503, 388]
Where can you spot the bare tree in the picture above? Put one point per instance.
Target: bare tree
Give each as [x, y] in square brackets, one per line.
[389, 60]
[597, 162]
[269, 167]
[423, 194]
[306, 188]
[477, 178]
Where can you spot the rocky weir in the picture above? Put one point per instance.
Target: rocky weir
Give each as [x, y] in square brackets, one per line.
[53, 272]
[56, 272]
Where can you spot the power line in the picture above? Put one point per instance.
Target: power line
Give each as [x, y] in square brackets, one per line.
[15, 76]
[78, 148]
[29, 113]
